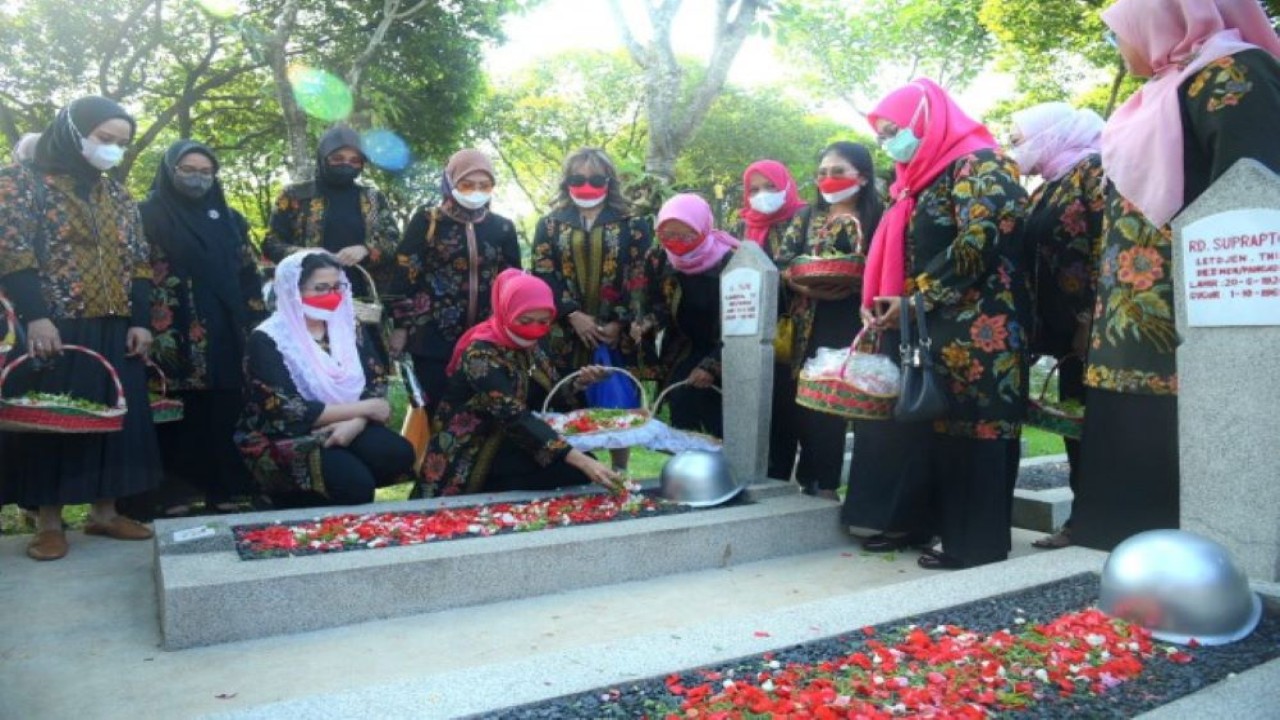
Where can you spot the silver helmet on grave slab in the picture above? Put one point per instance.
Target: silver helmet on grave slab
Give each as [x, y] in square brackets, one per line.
[699, 478]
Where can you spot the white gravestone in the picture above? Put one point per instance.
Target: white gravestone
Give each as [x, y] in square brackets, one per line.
[749, 318]
[1227, 276]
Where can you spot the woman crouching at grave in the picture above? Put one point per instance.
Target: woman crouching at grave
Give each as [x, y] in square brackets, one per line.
[684, 301]
[1062, 145]
[952, 245]
[1212, 97]
[485, 436]
[313, 429]
[840, 224]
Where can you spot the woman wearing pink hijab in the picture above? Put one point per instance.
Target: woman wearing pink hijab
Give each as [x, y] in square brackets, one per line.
[954, 235]
[684, 300]
[1062, 145]
[485, 436]
[1211, 99]
[770, 199]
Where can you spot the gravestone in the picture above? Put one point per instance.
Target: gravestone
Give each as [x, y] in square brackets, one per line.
[749, 319]
[1227, 276]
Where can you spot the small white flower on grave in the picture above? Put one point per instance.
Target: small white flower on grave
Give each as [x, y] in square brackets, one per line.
[1001, 671]
[877, 680]
[767, 686]
[775, 664]
[508, 519]
[1019, 621]
[1042, 675]
[1134, 647]
[897, 709]
[728, 684]
[729, 672]
[902, 682]
[474, 528]
[875, 659]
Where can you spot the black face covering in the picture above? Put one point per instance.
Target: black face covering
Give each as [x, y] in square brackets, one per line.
[340, 175]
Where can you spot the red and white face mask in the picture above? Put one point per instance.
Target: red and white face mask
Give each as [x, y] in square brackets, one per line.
[528, 334]
[327, 301]
[680, 245]
[836, 189]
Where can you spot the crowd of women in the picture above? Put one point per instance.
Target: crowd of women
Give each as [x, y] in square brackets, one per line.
[292, 405]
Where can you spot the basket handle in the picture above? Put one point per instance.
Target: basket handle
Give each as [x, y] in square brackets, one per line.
[111, 370]
[164, 381]
[1044, 387]
[11, 324]
[373, 287]
[866, 341]
[657, 403]
[644, 396]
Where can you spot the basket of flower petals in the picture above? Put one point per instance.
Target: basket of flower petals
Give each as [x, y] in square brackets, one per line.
[825, 270]
[596, 428]
[61, 413]
[163, 408]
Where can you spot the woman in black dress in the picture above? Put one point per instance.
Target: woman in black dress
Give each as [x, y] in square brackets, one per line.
[75, 263]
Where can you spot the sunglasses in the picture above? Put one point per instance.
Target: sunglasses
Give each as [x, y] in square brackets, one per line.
[326, 288]
[595, 181]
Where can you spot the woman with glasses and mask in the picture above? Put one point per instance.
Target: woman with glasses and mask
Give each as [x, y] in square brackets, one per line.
[75, 263]
[313, 430]
[1211, 98]
[842, 221]
[954, 234]
[207, 298]
[446, 264]
[487, 438]
[590, 249]
[334, 212]
[683, 300]
[770, 198]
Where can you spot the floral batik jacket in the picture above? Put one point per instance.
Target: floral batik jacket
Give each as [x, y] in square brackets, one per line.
[966, 255]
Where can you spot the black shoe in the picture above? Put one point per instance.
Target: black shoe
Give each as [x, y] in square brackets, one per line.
[933, 560]
[883, 543]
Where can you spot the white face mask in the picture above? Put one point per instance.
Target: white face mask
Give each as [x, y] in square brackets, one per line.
[315, 313]
[587, 204]
[833, 198]
[103, 156]
[471, 201]
[768, 203]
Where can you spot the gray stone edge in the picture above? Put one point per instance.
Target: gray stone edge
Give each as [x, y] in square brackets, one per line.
[486, 689]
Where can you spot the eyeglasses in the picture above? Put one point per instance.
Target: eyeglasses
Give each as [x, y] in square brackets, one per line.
[467, 186]
[325, 288]
[188, 170]
[677, 238]
[595, 181]
[1112, 40]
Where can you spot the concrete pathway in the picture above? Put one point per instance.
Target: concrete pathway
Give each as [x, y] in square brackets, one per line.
[79, 637]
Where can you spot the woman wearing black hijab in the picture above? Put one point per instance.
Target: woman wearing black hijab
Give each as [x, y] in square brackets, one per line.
[334, 212]
[74, 261]
[207, 298]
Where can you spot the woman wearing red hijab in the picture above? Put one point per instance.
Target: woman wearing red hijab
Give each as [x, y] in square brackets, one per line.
[770, 199]
[1212, 99]
[954, 235]
[486, 438]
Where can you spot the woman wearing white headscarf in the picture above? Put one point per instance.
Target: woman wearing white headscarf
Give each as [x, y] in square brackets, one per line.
[313, 430]
[1062, 145]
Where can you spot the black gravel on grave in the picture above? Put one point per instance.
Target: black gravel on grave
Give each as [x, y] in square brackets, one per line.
[1161, 681]
[1043, 476]
[246, 551]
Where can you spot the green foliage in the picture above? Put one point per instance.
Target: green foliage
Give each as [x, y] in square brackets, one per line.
[862, 51]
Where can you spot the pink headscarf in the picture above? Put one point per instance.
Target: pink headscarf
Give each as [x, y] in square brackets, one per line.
[945, 133]
[757, 223]
[1055, 137]
[332, 377]
[514, 293]
[1142, 143]
[693, 211]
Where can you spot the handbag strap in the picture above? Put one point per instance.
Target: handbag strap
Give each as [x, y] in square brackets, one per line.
[905, 342]
[922, 330]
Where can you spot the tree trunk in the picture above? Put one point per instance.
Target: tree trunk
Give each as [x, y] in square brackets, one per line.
[299, 161]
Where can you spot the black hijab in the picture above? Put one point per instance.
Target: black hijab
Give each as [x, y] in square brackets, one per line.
[58, 151]
[200, 236]
[344, 223]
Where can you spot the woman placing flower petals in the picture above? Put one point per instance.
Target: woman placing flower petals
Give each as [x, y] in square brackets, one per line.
[486, 437]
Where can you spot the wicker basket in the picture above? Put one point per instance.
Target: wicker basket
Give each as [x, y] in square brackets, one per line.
[570, 416]
[837, 396]
[164, 408]
[368, 311]
[808, 270]
[19, 415]
[657, 403]
[1052, 419]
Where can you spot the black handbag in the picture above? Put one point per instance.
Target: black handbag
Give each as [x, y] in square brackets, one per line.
[923, 396]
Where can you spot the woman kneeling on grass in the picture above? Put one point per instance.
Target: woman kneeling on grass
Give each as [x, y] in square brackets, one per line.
[486, 437]
[313, 430]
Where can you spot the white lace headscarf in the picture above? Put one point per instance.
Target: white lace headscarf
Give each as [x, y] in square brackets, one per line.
[332, 377]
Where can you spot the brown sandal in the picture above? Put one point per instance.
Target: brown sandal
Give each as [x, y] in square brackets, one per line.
[48, 545]
[1056, 541]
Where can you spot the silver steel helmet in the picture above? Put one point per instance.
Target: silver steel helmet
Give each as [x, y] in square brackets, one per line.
[1180, 586]
[699, 478]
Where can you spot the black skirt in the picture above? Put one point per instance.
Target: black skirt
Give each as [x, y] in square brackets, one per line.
[1129, 478]
[889, 477]
[67, 469]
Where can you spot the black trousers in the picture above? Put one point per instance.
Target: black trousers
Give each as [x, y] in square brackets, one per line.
[432, 378]
[1129, 473]
[199, 451]
[974, 481]
[377, 458]
[1071, 387]
[514, 468]
[696, 409]
[783, 437]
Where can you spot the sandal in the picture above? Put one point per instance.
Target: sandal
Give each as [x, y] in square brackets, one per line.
[934, 560]
[1056, 541]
